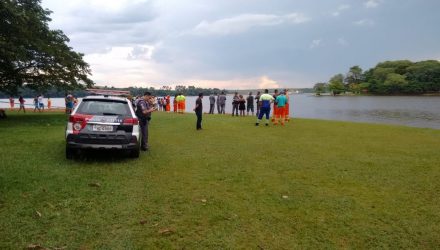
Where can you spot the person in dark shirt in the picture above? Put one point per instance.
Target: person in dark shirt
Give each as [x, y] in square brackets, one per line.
[235, 103]
[241, 105]
[143, 112]
[257, 100]
[250, 103]
[199, 110]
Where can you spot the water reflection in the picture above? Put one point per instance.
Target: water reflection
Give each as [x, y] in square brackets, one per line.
[417, 111]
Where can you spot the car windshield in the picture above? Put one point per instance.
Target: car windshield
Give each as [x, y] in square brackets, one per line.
[103, 107]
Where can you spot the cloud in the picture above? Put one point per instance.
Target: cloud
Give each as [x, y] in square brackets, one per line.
[105, 24]
[372, 3]
[267, 83]
[144, 52]
[315, 43]
[340, 9]
[245, 22]
[364, 22]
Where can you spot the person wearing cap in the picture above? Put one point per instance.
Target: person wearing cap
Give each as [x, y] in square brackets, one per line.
[143, 112]
[199, 111]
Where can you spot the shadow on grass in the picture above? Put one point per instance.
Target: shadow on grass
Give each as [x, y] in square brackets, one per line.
[102, 156]
[34, 118]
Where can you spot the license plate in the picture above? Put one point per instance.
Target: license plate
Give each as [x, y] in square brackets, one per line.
[102, 128]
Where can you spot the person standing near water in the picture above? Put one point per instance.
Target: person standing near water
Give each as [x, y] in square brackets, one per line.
[258, 103]
[250, 104]
[11, 102]
[211, 103]
[266, 101]
[21, 101]
[287, 108]
[275, 107]
[199, 111]
[241, 105]
[222, 102]
[218, 104]
[281, 101]
[175, 103]
[235, 102]
[49, 103]
[40, 102]
[36, 106]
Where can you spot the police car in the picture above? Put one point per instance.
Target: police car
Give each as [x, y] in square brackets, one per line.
[104, 122]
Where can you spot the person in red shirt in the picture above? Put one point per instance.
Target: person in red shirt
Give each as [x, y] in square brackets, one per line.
[22, 101]
[11, 102]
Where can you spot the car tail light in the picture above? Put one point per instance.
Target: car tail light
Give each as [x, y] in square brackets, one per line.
[78, 122]
[130, 121]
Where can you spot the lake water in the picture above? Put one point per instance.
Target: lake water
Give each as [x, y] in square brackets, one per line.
[416, 111]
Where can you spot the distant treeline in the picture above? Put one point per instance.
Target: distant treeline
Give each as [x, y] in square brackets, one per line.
[163, 91]
[387, 78]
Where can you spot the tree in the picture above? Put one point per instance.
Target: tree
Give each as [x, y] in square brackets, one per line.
[320, 88]
[425, 74]
[336, 84]
[354, 75]
[33, 55]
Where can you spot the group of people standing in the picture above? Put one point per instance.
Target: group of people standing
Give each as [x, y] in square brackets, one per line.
[38, 103]
[164, 103]
[179, 103]
[221, 103]
[70, 102]
[278, 103]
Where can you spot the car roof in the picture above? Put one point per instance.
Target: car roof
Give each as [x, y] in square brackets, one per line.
[97, 97]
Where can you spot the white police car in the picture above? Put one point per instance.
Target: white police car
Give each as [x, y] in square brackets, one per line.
[103, 122]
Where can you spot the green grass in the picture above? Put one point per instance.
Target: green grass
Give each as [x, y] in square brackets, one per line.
[345, 185]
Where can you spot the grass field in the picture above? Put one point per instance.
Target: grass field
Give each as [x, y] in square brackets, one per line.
[311, 184]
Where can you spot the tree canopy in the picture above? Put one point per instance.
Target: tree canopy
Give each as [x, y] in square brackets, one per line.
[33, 55]
[389, 77]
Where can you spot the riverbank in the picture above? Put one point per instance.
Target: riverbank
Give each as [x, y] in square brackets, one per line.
[310, 184]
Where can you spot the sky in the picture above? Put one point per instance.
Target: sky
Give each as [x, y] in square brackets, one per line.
[243, 44]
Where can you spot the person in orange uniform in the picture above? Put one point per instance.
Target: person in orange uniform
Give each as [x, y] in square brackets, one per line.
[167, 102]
[183, 100]
[179, 103]
[49, 103]
[286, 109]
[275, 106]
[281, 106]
[175, 103]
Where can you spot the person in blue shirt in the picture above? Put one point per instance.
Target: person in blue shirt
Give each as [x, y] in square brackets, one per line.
[265, 100]
[281, 101]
